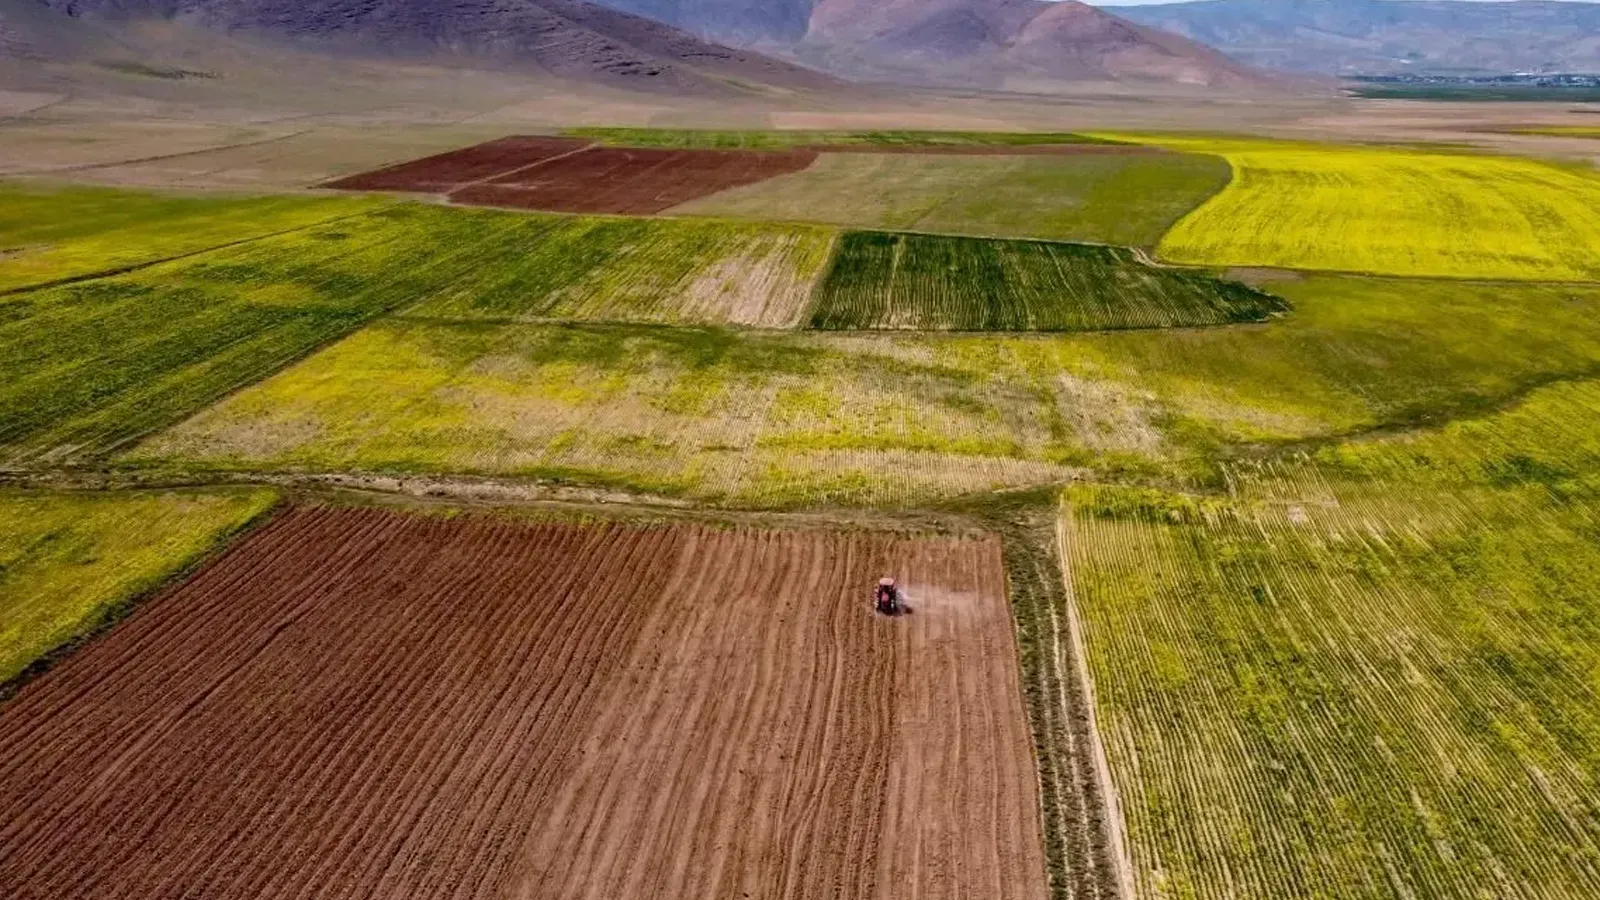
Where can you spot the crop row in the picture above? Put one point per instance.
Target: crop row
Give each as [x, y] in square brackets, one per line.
[927, 282]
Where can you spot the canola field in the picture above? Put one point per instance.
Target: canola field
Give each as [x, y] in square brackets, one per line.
[1370, 665]
[1393, 211]
[69, 561]
[882, 280]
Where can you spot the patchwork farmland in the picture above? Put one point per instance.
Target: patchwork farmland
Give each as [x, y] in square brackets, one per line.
[386, 546]
[541, 710]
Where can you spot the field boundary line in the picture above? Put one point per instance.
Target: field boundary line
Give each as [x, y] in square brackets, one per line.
[1115, 826]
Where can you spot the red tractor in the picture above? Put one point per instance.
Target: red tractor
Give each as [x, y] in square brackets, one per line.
[886, 597]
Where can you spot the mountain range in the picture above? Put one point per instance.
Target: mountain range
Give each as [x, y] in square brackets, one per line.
[688, 46]
[571, 39]
[1385, 37]
[969, 42]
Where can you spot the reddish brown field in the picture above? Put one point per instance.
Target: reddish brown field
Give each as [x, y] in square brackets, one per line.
[360, 704]
[631, 181]
[448, 171]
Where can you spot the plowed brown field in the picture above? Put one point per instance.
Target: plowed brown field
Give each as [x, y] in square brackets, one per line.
[631, 181]
[447, 171]
[359, 703]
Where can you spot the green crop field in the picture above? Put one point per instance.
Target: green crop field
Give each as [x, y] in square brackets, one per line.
[89, 365]
[1394, 211]
[924, 282]
[775, 140]
[1366, 673]
[86, 366]
[1129, 199]
[52, 234]
[763, 419]
[782, 419]
[67, 561]
[641, 270]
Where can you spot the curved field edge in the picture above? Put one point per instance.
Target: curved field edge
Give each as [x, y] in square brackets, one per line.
[72, 563]
[1403, 211]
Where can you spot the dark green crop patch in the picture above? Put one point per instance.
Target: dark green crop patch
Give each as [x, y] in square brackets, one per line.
[883, 280]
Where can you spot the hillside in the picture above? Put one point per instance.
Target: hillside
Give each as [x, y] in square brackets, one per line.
[1386, 37]
[572, 39]
[982, 42]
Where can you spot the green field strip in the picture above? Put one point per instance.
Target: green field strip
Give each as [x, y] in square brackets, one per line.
[883, 280]
[53, 235]
[71, 562]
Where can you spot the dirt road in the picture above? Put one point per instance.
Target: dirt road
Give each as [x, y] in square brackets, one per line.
[362, 703]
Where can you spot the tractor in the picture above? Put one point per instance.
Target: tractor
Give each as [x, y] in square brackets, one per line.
[886, 597]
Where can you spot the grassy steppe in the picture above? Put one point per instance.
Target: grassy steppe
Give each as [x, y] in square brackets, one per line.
[912, 281]
[51, 234]
[1393, 211]
[1367, 673]
[67, 561]
[1129, 199]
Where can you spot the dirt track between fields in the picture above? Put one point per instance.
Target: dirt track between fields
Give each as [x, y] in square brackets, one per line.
[362, 703]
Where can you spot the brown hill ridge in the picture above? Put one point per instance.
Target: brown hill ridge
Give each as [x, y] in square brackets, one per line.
[572, 39]
[966, 42]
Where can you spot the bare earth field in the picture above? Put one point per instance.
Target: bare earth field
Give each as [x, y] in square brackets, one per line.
[631, 181]
[360, 703]
[447, 171]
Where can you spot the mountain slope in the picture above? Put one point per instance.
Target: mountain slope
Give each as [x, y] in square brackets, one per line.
[573, 39]
[1388, 36]
[990, 42]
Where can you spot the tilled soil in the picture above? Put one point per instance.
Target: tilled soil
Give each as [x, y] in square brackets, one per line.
[631, 181]
[360, 703]
[445, 172]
